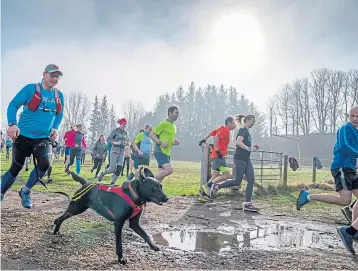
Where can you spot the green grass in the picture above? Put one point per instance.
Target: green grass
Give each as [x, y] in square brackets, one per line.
[183, 182]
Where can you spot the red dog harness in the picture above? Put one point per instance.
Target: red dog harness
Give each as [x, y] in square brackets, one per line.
[36, 100]
[118, 190]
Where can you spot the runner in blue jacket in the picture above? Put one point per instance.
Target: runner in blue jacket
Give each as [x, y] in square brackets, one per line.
[36, 128]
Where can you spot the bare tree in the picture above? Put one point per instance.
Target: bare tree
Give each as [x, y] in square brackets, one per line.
[320, 98]
[302, 104]
[77, 111]
[353, 93]
[133, 111]
[334, 84]
[282, 106]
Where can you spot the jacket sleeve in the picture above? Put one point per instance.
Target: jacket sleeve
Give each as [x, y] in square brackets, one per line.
[19, 100]
[84, 142]
[95, 148]
[346, 142]
[111, 136]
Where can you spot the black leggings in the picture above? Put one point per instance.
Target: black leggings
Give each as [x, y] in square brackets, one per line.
[23, 147]
[242, 168]
[83, 157]
[126, 161]
[75, 153]
[97, 165]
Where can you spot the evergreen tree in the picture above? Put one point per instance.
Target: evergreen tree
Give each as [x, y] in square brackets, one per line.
[112, 118]
[104, 117]
[94, 129]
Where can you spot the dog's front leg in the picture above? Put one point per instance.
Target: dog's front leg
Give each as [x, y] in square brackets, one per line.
[118, 226]
[134, 225]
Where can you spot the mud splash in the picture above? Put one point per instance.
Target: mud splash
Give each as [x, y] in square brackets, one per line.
[274, 237]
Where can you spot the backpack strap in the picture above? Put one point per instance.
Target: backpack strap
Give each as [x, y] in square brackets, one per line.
[57, 101]
[37, 88]
[36, 99]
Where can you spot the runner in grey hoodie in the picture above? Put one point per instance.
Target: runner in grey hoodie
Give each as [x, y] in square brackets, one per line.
[118, 139]
[99, 154]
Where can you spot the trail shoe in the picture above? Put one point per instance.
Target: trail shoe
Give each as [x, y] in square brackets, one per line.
[302, 199]
[205, 189]
[213, 191]
[25, 199]
[100, 177]
[347, 213]
[346, 239]
[203, 197]
[248, 206]
[49, 181]
[92, 170]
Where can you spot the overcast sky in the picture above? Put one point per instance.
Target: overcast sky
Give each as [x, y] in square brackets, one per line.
[140, 49]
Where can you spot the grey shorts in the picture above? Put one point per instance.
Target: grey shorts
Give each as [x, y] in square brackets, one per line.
[219, 164]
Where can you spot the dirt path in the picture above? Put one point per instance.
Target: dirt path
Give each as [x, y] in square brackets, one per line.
[191, 235]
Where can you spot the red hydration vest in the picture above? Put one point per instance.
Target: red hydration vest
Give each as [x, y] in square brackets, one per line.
[36, 100]
[118, 190]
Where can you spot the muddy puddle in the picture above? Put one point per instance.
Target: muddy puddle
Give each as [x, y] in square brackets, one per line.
[277, 236]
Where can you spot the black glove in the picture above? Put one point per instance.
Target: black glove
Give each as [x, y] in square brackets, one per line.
[219, 154]
[122, 145]
[201, 142]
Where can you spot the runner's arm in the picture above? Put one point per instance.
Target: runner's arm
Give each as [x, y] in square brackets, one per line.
[155, 133]
[111, 137]
[59, 117]
[137, 139]
[19, 100]
[84, 144]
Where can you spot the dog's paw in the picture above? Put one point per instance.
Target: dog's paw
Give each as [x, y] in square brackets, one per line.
[122, 261]
[154, 247]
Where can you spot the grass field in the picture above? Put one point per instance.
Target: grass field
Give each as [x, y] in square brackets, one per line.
[183, 182]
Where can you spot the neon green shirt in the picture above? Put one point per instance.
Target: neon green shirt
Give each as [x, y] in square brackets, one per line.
[166, 132]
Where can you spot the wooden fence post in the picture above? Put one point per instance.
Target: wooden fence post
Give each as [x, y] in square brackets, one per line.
[314, 171]
[285, 168]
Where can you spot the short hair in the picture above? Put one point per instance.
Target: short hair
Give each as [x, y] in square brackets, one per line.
[229, 120]
[172, 109]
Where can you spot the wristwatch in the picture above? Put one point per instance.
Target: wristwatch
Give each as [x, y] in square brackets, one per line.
[11, 124]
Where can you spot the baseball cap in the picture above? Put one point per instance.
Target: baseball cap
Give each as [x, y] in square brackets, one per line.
[53, 68]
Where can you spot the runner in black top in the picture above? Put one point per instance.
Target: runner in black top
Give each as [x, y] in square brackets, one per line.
[243, 165]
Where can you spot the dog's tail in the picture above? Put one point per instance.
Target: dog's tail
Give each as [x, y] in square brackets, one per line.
[64, 194]
[77, 178]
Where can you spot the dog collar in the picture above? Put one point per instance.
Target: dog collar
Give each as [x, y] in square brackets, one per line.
[131, 190]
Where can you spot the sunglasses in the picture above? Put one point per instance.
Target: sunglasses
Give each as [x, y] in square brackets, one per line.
[54, 75]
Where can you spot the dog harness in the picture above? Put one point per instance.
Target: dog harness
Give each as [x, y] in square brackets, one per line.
[36, 100]
[118, 190]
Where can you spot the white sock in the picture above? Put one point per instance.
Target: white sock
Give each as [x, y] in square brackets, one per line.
[308, 197]
[25, 189]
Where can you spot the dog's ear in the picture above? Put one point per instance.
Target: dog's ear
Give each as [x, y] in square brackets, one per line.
[141, 175]
[148, 173]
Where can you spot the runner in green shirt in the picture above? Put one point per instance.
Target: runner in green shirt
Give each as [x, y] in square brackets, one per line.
[164, 135]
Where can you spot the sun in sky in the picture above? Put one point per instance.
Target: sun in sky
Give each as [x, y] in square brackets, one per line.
[237, 41]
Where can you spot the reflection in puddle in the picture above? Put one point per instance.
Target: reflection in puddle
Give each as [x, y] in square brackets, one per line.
[277, 236]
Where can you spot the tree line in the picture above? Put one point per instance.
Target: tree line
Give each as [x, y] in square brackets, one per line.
[312, 104]
[318, 103]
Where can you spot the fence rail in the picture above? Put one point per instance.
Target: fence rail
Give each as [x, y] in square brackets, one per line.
[277, 161]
